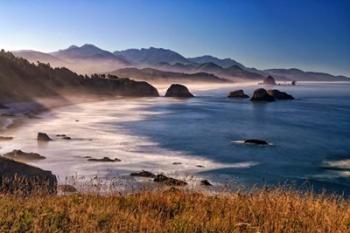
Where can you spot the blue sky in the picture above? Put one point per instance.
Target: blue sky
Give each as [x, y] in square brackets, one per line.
[308, 34]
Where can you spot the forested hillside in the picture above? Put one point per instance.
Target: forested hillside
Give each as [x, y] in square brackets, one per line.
[22, 80]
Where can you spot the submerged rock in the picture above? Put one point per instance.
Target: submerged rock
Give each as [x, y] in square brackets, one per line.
[19, 155]
[238, 94]
[143, 174]
[43, 137]
[206, 183]
[262, 95]
[269, 81]
[178, 90]
[20, 178]
[104, 159]
[169, 181]
[255, 141]
[279, 95]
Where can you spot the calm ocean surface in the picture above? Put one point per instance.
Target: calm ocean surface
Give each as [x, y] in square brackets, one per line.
[309, 136]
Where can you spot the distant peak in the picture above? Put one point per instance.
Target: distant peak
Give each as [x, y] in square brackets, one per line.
[73, 47]
[88, 45]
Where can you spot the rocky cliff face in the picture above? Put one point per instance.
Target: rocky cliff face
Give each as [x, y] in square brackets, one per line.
[20, 178]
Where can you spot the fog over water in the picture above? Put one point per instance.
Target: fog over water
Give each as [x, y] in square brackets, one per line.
[309, 137]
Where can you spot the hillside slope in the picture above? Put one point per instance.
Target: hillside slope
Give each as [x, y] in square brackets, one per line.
[300, 75]
[21, 80]
[159, 76]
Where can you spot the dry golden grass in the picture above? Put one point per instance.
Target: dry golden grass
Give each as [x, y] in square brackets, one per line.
[274, 210]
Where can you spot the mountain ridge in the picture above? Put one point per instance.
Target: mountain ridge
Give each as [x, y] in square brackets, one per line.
[89, 59]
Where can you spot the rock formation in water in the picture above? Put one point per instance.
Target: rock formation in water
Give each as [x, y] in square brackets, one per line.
[178, 90]
[205, 183]
[169, 181]
[262, 95]
[5, 138]
[104, 159]
[269, 80]
[19, 155]
[43, 137]
[256, 142]
[238, 94]
[20, 178]
[143, 174]
[279, 95]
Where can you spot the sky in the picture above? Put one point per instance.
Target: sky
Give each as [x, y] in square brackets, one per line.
[306, 34]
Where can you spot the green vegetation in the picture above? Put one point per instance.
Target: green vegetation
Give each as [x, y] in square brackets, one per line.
[22, 80]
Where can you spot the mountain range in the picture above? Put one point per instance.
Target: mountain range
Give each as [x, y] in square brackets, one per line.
[89, 59]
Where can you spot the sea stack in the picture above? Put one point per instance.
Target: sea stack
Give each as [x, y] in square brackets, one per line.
[279, 95]
[262, 95]
[43, 137]
[269, 81]
[178, 90]
[237, 94]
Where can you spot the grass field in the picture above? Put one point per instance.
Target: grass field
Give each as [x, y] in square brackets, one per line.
[276, 210]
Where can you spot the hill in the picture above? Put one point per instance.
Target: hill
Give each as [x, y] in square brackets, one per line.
[300, 75]
[225, 63]
[22, 80]
[158, 76]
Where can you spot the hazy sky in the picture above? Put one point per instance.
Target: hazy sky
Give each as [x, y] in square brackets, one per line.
[308, 34]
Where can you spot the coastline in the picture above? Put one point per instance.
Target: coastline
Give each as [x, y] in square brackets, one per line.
[136, 151]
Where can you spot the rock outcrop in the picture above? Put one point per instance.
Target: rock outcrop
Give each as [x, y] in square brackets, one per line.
[146, 174]
[255, 141]
[19, 155]
[269, 81]
[43, 137]
[20, 178]
[169, 181]
[238, 94]
[279, 95]
[178, 90]
[262, 95]
[205, 183]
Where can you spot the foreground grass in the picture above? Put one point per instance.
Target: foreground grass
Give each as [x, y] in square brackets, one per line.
[176, 211]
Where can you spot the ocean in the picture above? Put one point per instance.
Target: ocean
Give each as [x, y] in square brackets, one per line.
[309, 138]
